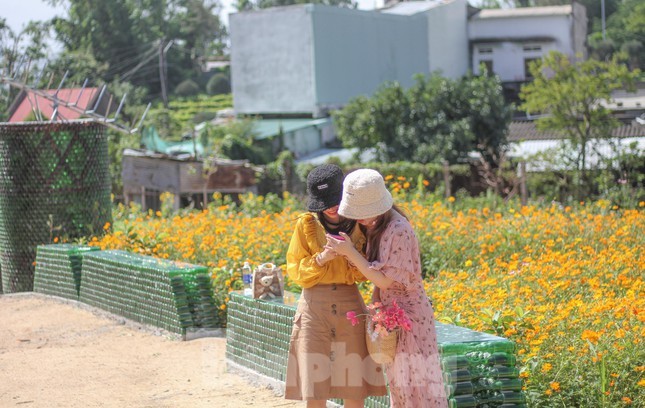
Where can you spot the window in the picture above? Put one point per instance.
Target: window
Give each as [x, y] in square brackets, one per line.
[527, 71]
[532, 48]
[488, 64]
[485, 50]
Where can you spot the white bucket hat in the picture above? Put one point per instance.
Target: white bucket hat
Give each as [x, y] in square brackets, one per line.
[364, 195]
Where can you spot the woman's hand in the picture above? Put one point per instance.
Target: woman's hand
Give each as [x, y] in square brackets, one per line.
[325, 256]
[343, 246]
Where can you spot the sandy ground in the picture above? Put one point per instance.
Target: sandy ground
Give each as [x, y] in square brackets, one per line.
[56, 353]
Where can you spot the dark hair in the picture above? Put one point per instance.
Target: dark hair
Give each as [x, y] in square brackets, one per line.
[346, 225]
[374, 237]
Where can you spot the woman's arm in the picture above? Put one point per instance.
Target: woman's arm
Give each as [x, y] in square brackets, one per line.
[347, 249]
[306, 260]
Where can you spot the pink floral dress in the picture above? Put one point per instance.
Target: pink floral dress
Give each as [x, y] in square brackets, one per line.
[414, 377]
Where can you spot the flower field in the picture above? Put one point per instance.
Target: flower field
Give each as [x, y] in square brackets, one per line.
[567, 285]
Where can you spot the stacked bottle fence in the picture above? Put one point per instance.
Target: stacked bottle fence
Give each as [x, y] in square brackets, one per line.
[54, 181]
[175, 296]
[479, 368]
[58, 269]
[172, 295]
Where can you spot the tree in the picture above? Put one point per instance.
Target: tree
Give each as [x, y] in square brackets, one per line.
[218, 84]
[126, 36]
[20, 56]
[377, 123]
[573, 96]
[436, 119]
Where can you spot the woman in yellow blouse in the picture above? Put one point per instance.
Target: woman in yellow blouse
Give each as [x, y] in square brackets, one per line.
[328, 357]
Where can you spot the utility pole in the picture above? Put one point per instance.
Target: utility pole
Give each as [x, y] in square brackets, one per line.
[162, 74]
[602, 12]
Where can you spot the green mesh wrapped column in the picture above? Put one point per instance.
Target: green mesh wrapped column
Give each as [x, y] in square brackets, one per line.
[54, 181]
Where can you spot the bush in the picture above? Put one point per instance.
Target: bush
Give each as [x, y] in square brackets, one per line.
[187, 87]
[218, 84]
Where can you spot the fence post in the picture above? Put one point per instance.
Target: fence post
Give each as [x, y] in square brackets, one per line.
[523, 191]
[446, 178]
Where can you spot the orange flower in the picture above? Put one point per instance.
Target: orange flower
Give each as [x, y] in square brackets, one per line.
[591, 336]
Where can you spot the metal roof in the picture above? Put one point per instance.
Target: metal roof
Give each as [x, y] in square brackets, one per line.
[266, 128]
[527, 130]
[523, 12]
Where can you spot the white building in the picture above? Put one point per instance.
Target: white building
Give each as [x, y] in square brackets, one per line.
[507, 40]
[305, 60]
[300, 62]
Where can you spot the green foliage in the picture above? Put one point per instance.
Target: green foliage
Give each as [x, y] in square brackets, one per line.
[218, 84]
[186, 88]
[570, 94]
[19, 53]
[234, 141]
[182, 113]
[436, 119]
[624, 33]
[127, 36]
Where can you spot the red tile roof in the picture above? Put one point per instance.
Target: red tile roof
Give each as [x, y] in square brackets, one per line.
[31, 102]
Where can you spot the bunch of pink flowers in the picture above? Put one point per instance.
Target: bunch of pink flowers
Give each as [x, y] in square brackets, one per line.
[386, 319]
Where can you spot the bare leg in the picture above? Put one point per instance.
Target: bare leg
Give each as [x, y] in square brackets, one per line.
[317, 404]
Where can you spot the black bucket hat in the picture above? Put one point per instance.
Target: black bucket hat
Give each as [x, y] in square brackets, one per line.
[324, 187]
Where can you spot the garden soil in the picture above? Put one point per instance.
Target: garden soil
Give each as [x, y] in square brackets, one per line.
[58, 353]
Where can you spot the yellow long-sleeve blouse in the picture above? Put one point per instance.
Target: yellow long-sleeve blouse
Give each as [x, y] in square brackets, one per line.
[307, 242]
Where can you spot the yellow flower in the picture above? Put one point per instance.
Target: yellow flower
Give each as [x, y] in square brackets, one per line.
[641, 383]
[451, 199]
[627, 400]
[468, 263]
[590, 335]
[547, 367]
[555, 386]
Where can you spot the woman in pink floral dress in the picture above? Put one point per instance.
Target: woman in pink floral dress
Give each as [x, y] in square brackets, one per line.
[393, 265]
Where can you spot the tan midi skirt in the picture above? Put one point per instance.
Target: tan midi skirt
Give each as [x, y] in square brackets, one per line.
[328, 357]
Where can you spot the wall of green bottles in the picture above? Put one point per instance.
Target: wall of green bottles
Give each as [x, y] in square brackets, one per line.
[58, 269]
[479, 368]
[174, 296]
[54, 181]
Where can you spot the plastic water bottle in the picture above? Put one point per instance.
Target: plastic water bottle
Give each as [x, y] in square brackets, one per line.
[247, 277]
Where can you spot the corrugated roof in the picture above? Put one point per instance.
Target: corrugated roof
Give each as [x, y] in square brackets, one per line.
[523, 12]
[265, 128]
[408, 8]
[602, 149]
[527, 130]
[322, 156]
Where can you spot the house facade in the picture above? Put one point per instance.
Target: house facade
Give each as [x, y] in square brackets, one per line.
[306, 60]
[506, 41]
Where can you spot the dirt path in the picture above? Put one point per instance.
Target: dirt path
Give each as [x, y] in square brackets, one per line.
[55, 353]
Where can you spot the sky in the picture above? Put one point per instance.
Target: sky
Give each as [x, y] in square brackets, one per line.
[19, 12]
